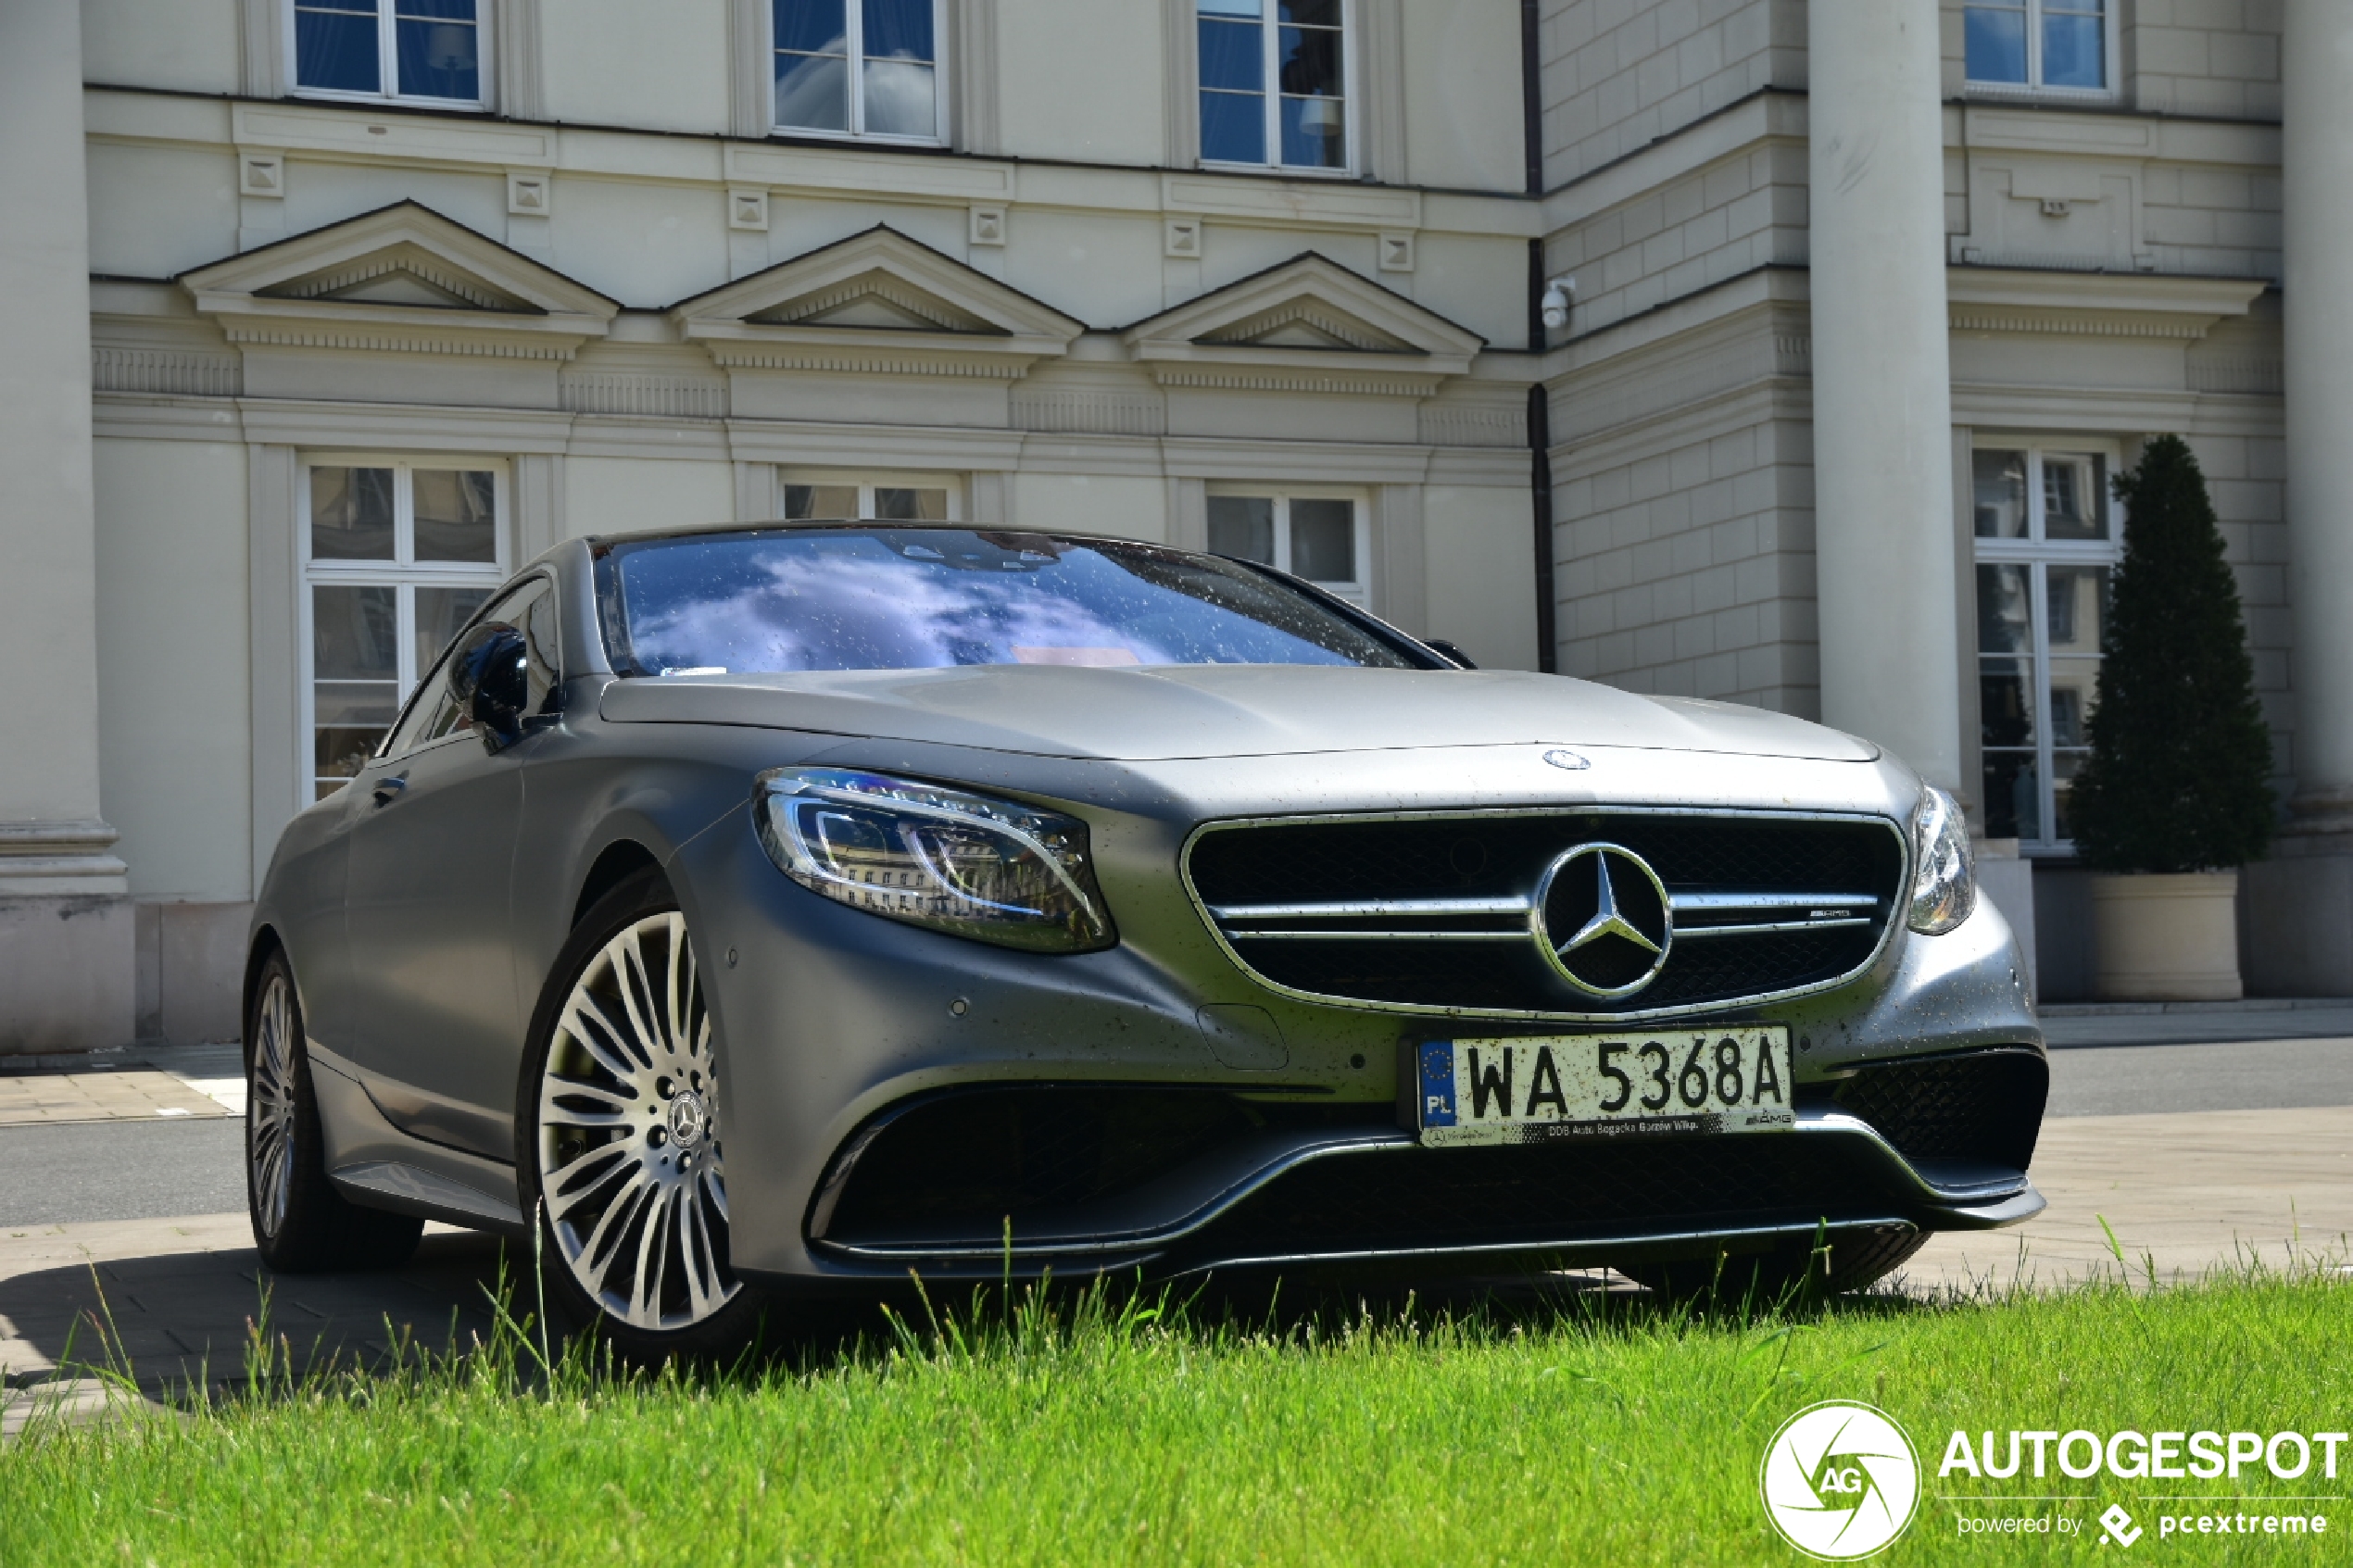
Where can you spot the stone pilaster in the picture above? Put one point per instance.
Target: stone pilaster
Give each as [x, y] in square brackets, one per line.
[65, 922]
[1884, 571]
[2298, 921]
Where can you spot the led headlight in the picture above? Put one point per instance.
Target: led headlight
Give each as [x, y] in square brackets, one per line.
[1944, 873]
[996, 870]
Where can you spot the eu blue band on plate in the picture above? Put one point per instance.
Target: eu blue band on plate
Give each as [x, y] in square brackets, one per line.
[1438, 1083]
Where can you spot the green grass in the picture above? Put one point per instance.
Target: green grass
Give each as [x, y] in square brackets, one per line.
[1086, 1430]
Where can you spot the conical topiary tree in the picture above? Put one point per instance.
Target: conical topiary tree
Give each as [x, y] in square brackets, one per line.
[2178, 779]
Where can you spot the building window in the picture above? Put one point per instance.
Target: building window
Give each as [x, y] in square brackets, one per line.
[1274, 87]
[887, 498]
[397, 555]
[1323, 537]
[860, 67]
[429, 50]
[2060, 45]
[2047, 532]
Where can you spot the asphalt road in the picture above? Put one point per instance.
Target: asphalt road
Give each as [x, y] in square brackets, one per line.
[120, 1170]
[151, 1170]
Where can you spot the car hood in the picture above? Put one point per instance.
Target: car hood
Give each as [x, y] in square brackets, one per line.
[1205, 710]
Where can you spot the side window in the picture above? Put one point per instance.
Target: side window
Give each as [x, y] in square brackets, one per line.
[437, 716]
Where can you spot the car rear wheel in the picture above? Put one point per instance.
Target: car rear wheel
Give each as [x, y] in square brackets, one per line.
[301, 1225]
[623, 1154]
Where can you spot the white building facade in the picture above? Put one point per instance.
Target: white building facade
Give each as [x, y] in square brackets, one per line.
[324, 317]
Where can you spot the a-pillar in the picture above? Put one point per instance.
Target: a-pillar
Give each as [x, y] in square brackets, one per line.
[66, 928]
[1883, 552]
[2300, 905]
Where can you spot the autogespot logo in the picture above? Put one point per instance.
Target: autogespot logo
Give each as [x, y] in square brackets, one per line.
[1841, 1480]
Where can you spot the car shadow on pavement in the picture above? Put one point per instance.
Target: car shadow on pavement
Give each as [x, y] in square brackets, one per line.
[173, 1322]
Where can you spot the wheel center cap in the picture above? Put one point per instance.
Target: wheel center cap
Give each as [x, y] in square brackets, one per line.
[689, 1121]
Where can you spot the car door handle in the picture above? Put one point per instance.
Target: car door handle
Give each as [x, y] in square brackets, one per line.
[388, 790]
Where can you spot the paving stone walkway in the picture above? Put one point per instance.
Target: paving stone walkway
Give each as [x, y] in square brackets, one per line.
[189, 1081]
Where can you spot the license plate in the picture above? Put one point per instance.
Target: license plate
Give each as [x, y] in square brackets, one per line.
[1530, 1088]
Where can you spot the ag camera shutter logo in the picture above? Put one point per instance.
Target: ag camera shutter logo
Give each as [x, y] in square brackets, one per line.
[1841, 1480]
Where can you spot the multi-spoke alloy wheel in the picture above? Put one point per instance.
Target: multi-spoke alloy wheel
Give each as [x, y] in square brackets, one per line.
[628, 1137]
[300, 1223]
[269, 1105]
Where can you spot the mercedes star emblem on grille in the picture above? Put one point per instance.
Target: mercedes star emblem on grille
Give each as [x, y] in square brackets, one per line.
[1600, 919]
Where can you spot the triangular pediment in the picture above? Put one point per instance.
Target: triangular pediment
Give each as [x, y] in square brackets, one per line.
[877, 300]
[1310, 315]
[402, 256]
[403, 274]
[879, 290]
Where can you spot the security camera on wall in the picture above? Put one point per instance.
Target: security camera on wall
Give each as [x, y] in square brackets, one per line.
[1557, 294]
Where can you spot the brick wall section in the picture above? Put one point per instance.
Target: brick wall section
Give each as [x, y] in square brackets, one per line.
[1620, 74]
[1731, 217]
[1690, 573]
[2219, 58]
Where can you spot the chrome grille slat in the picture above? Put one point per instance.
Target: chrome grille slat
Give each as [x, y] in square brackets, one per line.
[1360, 909]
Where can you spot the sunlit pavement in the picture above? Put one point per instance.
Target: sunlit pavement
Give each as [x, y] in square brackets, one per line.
[2182, 1191]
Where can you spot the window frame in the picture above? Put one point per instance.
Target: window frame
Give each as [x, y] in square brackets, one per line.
[403, 573]
[1358, 592]
[389, 62]
[866, 481]
[2038, 555]
[2032, 87]
[1352, 80]
[854, 22]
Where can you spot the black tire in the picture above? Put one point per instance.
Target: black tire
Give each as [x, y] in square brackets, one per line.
[650, 1166]
[301, 1223]
[1857, 1259]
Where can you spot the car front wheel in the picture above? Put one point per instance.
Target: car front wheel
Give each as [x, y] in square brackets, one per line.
[622, 1156]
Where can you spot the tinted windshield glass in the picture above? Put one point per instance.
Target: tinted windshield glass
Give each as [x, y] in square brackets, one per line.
[927, 598]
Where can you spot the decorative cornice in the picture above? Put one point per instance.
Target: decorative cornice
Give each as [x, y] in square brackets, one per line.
[803, 353]
[2114, 305]
[2065, 323]
[273, 298]
[405, 259]
[874, 285]
[397, 338]
[1331, 323]
[1274, 378]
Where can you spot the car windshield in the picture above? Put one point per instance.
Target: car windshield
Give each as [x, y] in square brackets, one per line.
[920, 598]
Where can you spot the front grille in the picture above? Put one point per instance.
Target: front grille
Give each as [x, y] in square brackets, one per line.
[1432, 913]
[1982, 1106]
[1448, 1197]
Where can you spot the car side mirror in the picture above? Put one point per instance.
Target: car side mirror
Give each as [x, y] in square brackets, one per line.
[490, 678]
[1448, 650]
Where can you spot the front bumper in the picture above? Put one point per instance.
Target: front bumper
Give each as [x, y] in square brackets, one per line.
[836, 1026]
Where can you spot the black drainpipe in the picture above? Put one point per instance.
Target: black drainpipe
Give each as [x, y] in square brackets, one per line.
[1540, 404]
[1531, 92]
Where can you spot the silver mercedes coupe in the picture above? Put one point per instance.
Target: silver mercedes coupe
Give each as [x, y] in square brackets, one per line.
[769, 909]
